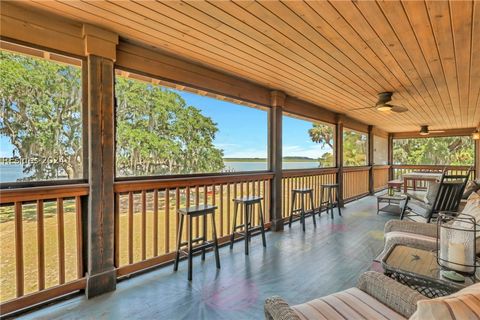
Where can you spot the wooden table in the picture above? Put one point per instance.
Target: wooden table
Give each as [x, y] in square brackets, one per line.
[419, 176]
[393, 204]
[419, 270]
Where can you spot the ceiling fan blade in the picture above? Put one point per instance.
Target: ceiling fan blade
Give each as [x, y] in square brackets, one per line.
[399, 109]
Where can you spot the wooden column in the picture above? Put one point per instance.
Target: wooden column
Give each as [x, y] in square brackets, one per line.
[275, 158]
[371, 188]
[390, 156]
[101, 273]
[339, 155]
[477, 159]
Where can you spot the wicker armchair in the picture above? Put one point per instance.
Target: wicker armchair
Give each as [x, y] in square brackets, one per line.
[374, 294]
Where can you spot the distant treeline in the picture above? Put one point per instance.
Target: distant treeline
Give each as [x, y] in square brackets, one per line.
[285, 159]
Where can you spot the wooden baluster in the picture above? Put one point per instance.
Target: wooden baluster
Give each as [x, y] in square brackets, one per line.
[187, 204]
[197, 202]
[61, 241]
[167, 220]
[205, 202]
[177, 206]
[144, 225]
[130, 227]
[221, 210]
[228, 207]
[213, 204]
[155, 222]
[78, 216]
[19, 248]
[116, 226]
[41, 245]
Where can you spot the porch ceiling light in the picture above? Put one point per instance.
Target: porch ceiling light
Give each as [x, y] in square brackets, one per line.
[424, 131]
[476, 135]
[384, 107]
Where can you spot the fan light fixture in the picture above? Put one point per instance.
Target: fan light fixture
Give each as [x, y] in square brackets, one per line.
[384, 107]
[424, 131]
[476, 135]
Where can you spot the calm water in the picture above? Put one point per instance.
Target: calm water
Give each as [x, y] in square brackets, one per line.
[12, 172]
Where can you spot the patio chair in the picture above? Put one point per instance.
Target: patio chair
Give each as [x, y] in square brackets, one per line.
[444, 196]
[375, 296]
[424, 235]
[379, 297]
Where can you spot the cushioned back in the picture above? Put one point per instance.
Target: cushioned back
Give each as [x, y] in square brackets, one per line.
[464, 304]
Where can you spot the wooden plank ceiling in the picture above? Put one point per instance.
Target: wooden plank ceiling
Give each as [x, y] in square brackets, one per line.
[335, 54]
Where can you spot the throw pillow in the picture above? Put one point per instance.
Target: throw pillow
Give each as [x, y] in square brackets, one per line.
[463, 304]
[432, 191]
[472, 186]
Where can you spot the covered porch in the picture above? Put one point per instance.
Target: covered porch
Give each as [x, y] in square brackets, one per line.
[370, 79]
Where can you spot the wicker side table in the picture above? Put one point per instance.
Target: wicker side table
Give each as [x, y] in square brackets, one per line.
[419, 270]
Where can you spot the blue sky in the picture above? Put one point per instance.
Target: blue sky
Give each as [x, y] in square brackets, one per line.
[242, 130]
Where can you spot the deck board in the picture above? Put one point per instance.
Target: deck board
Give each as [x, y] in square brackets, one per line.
[295, 265]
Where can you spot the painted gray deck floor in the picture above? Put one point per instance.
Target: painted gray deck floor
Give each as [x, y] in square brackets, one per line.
[295, 265]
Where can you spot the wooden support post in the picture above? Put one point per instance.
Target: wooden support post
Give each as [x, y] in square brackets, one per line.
[275, 158]
[371, 188]
[390, 156]
[101, 273]
[477, 159]
[339, 157]
[100, 48]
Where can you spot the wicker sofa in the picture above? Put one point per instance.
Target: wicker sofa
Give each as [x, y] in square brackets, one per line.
[375, 296]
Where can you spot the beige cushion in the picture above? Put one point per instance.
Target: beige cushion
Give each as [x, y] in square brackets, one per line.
[472, 186]
[432, 191]
[464, 304]
[349, 304]
[472, 207]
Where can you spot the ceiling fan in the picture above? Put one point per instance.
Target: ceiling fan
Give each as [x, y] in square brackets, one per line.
[383, 105]
[425, 132]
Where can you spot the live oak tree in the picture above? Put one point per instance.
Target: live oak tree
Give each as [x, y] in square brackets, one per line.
[354, 145]
[41, 103]
[157, 133]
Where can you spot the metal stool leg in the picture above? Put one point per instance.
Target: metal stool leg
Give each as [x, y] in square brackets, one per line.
[321, 202]
[215, 241]
[330, 201]
[179, 240]
[232, 236]
[245, 226]
[294, 198]
[262, 224]
[250, 219]
[190, 247]
[313, 208]
[302, 212]
[338, 203]
[204, 235]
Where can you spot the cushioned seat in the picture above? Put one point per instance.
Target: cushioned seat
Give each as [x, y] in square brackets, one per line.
[420, 208]
[349, 304]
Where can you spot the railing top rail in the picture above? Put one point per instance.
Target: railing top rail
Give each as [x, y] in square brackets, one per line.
[381, 166]
[151, 184]
[439, 167]
[360, 168]
[307, 172]
[43, 193]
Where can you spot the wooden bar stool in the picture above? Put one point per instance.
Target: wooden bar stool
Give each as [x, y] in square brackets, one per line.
[330, 204]
[248, 204]
[293, 212]
[190, 213]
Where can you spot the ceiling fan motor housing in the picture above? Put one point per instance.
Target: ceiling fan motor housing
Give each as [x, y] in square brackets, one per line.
[384, 97]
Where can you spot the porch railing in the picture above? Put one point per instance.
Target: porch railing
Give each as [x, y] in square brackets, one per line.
[41, 236]
[147, 220]
[311, 178]
[355, 182]
[380, 177]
